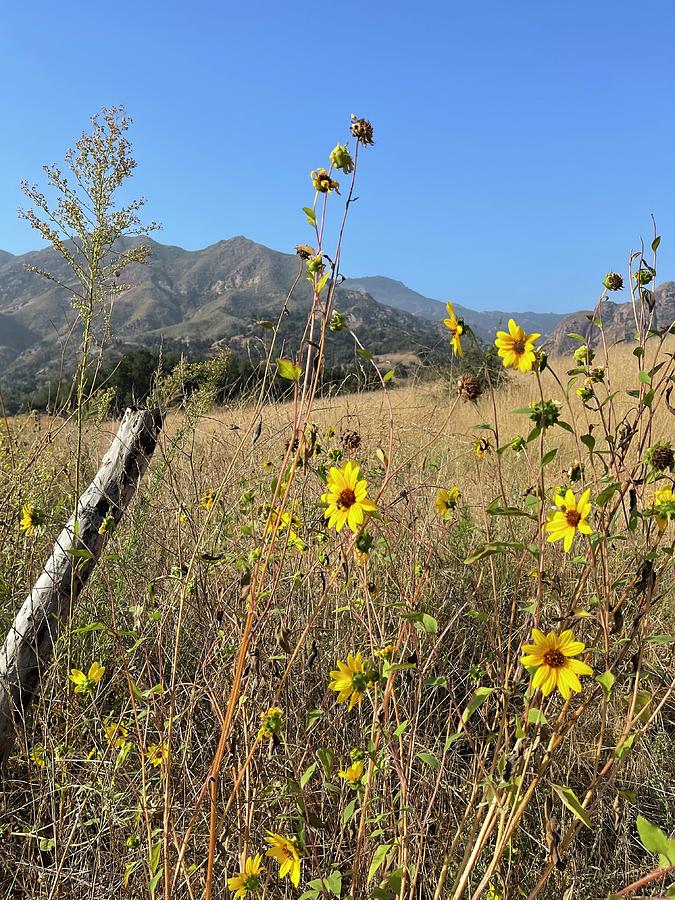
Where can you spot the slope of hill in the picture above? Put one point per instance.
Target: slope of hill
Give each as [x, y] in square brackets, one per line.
[483, 323]
[215, 295]
[617, 318]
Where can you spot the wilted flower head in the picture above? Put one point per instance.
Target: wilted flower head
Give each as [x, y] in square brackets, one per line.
[341, 158]
[661, 456]
[362, 130]
[322, 182]
[469, 388]
[304, 251]
[613, 281]
[644, 274]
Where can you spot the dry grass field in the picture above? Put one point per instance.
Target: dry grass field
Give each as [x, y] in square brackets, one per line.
[224, 601]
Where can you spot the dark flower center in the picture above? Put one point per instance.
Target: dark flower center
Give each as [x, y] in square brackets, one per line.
[554, 659]
[519, 347]
[346, 499]
[573, 517]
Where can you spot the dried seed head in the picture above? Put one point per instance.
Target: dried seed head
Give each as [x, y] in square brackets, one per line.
[362, 130]
[469, 388]
[661, 457]
[350, 440]
[613, 281]
[304, 251]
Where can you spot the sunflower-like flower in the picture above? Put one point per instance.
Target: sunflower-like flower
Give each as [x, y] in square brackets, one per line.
[350, 680]
[481, 447]
[31, 519]
[456, 328]
[207, 500]
[664, 507]
[353, 774]
[551, 655]
[288, 521]
[117, 735]
[157, 754]
[347, 498]
[86, 684]
[286, 854]
[570, 518]
[247, 880]
[447, 501]
[322, 182]
[516, 347]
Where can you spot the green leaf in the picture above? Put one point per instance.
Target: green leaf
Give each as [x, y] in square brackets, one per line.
[326, 757]
[265, 324]
[490, 549]
[577, 337]
[388, 376]
[605, 496]
[310, 214]
[536, 717]
[430, 760]
[92, 626]
[625, 747]
[401, 728]
[480, 696]
[366, 354]
[548, 457]
[313, 717]
[289, 370]
[656, 242]
[378, 858]
[307, 774]
[661, 639]
[607, 681]
[321, 284]
[654, 840]
[495, 510]
[334, 883]
[571, 801]
[349, 811]
[644, 377]
[589, 441]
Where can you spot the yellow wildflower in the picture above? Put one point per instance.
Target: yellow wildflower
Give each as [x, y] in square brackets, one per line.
[157, 754]
[31, 519]
[347, 498]
[570, 518]
[207, 500]
[87, 683]
[38, 755]
[447, 502]
[481, 447]
[456, 328]
[516, 348]
[286, 854]
[551, 655]
[353, 774]
[272, 721]
[248, 879]
[664, 507]
[117, 735]
[350, 679]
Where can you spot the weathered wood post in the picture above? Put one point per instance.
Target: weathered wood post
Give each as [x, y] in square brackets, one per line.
[30, 642]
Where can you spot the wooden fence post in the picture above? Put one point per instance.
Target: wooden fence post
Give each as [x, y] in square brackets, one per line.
[30, 642]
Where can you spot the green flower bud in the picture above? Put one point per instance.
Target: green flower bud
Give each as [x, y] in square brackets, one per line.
[341, 158]
[337, 322]
[644, 275]
[584, 355]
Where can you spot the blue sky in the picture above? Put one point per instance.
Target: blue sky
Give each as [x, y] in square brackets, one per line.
[520, 147]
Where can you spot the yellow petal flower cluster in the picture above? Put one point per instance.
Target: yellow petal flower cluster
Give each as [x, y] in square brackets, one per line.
[346, 499]
[551, 655]
[247, 880]
[570, 518]
[516, 347]
[85, 684]
[350, 680]
[286, 854]
[456, 328]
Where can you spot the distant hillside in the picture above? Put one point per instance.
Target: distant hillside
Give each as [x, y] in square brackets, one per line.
[617, 318]
[484, 324]
[217, 295]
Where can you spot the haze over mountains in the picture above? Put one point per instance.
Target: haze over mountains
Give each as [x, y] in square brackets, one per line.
[219, 296]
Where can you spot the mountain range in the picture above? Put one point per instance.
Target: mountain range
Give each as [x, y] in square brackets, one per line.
[220, 295]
